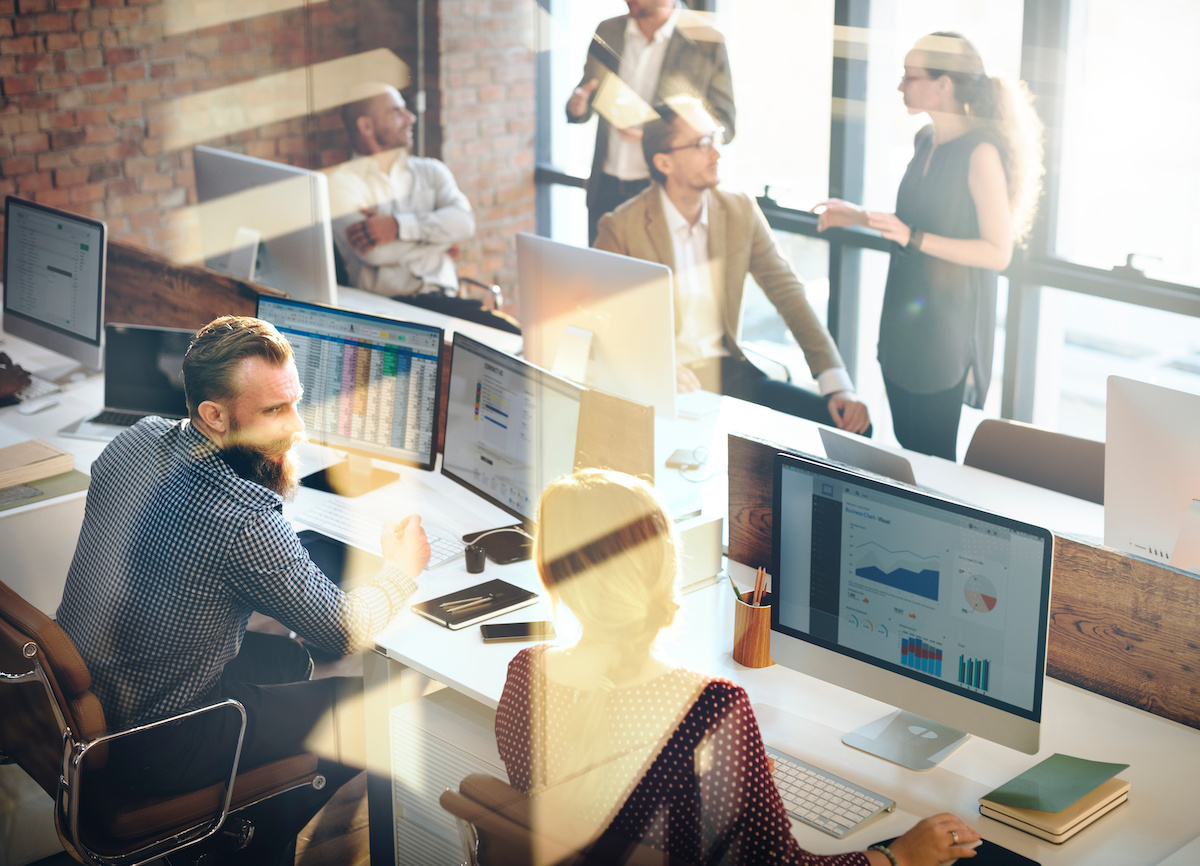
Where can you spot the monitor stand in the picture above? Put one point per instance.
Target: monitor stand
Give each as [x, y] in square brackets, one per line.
[354, 476]
[906, 739]
[504, 544]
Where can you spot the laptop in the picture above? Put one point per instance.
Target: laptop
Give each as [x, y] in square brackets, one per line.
[143, 375]
[854, 451]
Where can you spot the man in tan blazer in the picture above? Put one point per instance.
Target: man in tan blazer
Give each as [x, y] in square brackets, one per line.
[711, 239]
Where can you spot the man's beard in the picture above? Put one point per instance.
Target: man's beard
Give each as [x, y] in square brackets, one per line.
[273, 466]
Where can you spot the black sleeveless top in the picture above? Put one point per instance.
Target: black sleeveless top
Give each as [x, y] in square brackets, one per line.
[939, 318]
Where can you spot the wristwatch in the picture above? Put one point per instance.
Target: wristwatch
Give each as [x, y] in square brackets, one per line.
[915, 238]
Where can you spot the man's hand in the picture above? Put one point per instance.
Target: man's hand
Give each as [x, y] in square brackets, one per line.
[376, 229]
[13, 377]
[581, 96]
[405, 545]
[685, 380]
[849, 413]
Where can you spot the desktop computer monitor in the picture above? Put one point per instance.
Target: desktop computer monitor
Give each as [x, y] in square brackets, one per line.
[54, 270]
[510, 431]
[370, 388]
[932, 606]
[267, 222]
[1151, 470]
[604, 320]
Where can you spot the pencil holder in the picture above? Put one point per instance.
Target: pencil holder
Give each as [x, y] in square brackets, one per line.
[752, 632]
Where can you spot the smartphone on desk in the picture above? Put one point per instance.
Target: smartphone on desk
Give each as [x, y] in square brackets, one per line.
[500, 632]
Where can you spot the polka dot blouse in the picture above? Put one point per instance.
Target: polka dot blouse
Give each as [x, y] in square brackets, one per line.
[708, 796]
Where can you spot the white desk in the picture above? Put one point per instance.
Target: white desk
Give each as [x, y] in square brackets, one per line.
[799, 713]
[806, 716]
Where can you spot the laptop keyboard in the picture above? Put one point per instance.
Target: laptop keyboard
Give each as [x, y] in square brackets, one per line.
[361, 526]
[116, 419]
[823, 800]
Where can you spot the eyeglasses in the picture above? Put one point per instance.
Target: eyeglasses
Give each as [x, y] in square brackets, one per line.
[704, 143]
[909, 79]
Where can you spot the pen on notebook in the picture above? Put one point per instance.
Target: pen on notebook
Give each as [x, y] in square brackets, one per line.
[470, 605]
[461, 601]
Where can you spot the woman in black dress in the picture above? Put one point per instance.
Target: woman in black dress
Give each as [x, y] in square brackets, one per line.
[969, 193]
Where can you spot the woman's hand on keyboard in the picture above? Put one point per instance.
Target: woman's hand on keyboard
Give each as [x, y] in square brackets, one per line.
[935, 840]
[405, 545]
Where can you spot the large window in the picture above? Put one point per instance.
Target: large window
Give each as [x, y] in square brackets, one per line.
[1119, 92]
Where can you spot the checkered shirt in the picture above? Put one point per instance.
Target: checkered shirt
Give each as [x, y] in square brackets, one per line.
[175, 553]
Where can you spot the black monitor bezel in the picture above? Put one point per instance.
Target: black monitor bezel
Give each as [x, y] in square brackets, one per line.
[439, 401]
[540, 374]
[97, 340]
[816, 465]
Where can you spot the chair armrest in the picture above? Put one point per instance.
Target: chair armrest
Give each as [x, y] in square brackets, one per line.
[493, 290]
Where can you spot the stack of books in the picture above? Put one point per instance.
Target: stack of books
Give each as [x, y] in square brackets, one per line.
[1057, 798]
[32, 460]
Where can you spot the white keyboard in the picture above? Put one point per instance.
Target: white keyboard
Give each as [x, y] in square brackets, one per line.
[823, 800]
[361, 525]
[38, 387]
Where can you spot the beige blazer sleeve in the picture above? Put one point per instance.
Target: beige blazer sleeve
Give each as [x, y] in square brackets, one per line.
[750, 247]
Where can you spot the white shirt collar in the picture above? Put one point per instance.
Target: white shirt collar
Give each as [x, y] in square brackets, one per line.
[676, 222]
[662, 34]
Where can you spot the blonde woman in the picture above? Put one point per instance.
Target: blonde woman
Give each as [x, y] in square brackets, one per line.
[622, 747]
[969, 193]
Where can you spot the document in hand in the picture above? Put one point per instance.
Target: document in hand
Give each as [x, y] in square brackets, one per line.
[475, 604]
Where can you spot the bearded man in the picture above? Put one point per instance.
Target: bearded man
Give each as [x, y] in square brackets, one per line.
[183, 538]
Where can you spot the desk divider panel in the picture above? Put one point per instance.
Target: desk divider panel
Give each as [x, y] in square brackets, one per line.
[1120, 626]
[145, 288]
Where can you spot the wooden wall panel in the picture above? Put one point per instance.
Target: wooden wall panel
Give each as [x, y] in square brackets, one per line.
[1121, 627]
[144, 288]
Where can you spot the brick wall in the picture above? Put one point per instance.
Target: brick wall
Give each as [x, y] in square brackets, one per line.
[487, 88]
[102, 100]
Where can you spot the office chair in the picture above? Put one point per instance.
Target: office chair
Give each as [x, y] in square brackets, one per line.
[1055, 461]
[53, 727]
[475, 300]
[495, 822]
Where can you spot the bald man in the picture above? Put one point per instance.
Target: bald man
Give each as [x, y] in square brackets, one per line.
[396, 217]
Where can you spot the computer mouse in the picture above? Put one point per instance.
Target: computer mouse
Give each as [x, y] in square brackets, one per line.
[30, 407]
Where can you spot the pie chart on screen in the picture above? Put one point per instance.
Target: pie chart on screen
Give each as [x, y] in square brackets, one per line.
[980, 593]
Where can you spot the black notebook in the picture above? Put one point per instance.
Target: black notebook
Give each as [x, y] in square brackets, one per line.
[475, 604]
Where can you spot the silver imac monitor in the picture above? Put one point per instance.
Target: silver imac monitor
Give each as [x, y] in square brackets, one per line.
[604, 320]
[934, 607]
[510, 431]
[54, 271]
[267, 222]
[370, 389]
[1152, 471]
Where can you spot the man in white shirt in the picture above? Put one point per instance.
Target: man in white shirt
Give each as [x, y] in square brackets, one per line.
[711, 239]
[396, 217]
[656, 53]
